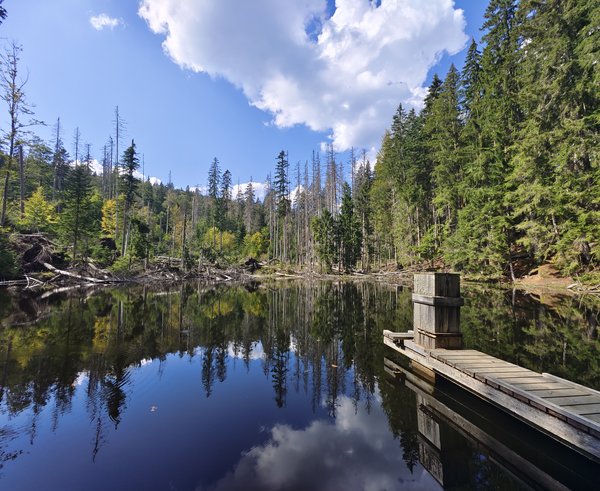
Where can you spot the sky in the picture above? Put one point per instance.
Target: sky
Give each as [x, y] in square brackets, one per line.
[232, 79]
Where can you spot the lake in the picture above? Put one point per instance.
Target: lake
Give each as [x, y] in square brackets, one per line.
[272, 386]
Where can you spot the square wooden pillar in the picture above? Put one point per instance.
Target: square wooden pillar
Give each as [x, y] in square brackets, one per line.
[437, 302]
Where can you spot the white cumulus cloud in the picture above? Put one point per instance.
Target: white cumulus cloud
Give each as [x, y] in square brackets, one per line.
[344, 74]
[104, 21]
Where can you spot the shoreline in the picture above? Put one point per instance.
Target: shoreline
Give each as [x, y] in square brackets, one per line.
[545, 280]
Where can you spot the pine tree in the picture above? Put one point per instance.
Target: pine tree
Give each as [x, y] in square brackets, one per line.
[214, 182]
[471, 89]
[223, 205]
[281, 188]
[383, 198]
[348, 231]
[554, 185]
[483, 236]
[443, 129]
[362, 203]
[324, 231]
[77, 220]
[129, 184]
[281, 185]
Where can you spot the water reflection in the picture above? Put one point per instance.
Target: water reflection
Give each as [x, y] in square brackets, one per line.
[355, 451]
[550, 333]
[88, 372]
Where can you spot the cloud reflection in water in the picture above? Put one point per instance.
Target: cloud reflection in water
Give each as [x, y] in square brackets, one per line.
[356, 451]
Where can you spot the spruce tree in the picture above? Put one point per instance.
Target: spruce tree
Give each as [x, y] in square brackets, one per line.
[443, 127]
[348, 231]
[214, 182]
[77, 221]
[129, 183]
[555, 184]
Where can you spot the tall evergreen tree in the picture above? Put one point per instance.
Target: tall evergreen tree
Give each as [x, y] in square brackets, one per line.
[281, 188]
[214, 183]
[348, 231]
[443, 128]
[129, 184]
[555, 184]
[77, 219]
[362, 202]
[324, 231]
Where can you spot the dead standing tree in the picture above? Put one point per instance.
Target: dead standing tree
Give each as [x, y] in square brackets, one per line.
[11, 87]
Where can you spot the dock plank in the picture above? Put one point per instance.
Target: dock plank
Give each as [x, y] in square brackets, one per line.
[550, 393]
[485, 365]
[515, 374]
[583, 409]
[500, 369]
[542, 385]
[575, 400]
[520, 380]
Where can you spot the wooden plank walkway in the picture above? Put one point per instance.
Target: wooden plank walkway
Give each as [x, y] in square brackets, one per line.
[577, 405]
[565, 410]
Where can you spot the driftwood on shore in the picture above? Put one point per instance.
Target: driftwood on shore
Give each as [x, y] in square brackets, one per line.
[74, 275]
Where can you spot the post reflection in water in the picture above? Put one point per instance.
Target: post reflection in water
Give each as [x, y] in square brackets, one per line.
[252, 386]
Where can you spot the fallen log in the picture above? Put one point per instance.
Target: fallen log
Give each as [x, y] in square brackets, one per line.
[13, 283]
[73, 275]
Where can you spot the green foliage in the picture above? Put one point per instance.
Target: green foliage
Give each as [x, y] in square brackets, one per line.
[348, 232]
[8, 261]
[323, 228]
[281, 185]
[79, 219]
[130, 164]
[122, 266]
[140, 245]
[256, 245]
[39, 214]
[109, 217]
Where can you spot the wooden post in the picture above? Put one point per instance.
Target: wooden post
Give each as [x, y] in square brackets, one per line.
[437, 301]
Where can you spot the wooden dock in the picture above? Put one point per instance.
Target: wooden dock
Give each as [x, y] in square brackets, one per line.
[562, 409]
[517, 454]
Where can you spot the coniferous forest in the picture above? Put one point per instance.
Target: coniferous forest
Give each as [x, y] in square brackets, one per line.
[497, 174]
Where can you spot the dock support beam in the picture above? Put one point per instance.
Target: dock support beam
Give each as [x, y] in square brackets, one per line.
[437, 302]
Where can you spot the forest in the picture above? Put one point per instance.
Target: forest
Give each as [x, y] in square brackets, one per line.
[496, 175]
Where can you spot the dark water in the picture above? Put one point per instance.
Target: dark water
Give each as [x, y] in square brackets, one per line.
[272, 386]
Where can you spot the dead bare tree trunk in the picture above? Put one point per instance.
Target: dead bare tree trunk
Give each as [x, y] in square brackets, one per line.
[21, 182]
[12, 93]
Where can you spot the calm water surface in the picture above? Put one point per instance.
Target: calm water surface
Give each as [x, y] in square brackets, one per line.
[271, 386]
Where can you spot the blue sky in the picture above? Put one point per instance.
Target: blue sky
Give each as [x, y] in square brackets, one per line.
[238, 80]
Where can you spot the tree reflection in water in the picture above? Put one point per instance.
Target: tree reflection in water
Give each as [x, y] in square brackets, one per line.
[320, 341]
